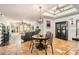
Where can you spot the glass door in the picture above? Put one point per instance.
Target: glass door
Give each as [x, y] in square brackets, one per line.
[64, 32]
[61, 30]
[58, 30]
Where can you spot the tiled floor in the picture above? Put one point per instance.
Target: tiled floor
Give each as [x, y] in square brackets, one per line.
[61, 47]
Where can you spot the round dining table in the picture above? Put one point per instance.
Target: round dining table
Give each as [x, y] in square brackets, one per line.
[40, 39]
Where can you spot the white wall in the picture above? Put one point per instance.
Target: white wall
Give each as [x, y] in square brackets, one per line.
[44, 27]
[71, 28]
[3, 19]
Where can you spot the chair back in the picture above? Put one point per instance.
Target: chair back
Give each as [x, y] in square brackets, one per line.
[49, 36]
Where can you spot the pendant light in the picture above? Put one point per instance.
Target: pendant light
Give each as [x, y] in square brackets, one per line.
[40, 18]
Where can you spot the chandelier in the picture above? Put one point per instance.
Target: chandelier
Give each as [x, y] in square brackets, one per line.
[40, 18]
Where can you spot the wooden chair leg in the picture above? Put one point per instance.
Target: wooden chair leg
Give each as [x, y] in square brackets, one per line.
[30, 44]
[32, 47]
[52, 48]
[45, 49]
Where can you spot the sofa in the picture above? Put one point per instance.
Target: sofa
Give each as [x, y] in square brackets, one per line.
[28, 35]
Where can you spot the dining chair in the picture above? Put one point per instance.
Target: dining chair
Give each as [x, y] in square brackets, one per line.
[34, 43]
[47, 42]
[49, 35]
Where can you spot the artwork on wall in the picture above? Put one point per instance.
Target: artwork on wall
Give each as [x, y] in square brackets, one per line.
[48, 24]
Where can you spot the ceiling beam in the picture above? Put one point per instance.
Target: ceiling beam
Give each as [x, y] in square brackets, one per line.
[61, 11]
[48, 17]
[60, 7]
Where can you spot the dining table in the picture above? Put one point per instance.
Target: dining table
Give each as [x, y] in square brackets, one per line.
[40, 39]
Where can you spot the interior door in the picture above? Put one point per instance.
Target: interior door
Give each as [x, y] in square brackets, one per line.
[62, 30]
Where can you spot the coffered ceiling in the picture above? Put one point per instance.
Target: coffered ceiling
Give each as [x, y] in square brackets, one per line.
[62, 11]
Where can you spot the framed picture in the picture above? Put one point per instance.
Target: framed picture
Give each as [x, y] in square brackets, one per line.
[48, 24]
